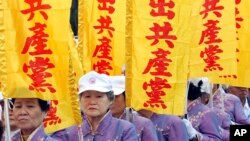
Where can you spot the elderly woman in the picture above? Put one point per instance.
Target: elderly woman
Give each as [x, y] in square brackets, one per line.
[232, 105]
[96, 97]
[29, 114]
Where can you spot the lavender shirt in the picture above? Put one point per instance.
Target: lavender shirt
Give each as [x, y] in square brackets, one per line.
[109, 129]
[204, 121]
[144, 127]
[37, 135]
[232, 106]
[169, 127]
[224, 122]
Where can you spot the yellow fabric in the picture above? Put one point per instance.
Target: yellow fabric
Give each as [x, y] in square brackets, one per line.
[62, 75]
[111, 37]
[75, 57]
[56, 118]
[243, 51]
[211, 28]
[2, 59]
[169, 99]
[17, 31]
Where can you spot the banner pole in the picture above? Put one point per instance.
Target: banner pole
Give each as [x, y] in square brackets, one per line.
[7, 120]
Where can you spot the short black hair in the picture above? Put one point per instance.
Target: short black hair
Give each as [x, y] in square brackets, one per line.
[44, 105]
[194, 91]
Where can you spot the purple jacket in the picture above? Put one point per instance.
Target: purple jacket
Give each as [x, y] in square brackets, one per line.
[169, 127]
[232, 106]
[204, 121]
[110, 128]
[37, 135]
[224, 121]
[144, 127]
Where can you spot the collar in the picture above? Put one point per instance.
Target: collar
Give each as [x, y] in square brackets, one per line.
[102, 126]
[246, 105]
[247, 109]
[123, 115]
[37, 131]
[193, 104]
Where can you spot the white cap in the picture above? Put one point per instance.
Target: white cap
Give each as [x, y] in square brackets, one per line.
[205, 87]
[118, 84]
[94, 81]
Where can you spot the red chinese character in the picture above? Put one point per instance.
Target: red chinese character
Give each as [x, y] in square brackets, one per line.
[104, 6]
[237, 18]
[52, 118]
[159, 63]
[38, 41]
[105, 25]
[161, 4]
[102, 66]
[210, 33]
[228, 76]
[36, 5]
[103, 49]
[156, 92]
[237, 2]
[162, 33]
[237, 51]
[38, 74]
[209, 55]
[211, 6]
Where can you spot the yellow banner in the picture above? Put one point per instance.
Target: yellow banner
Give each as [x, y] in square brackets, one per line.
[37, 55]
[157, 46]
[102, 35]
[2, 59]
[242, 18]
[34, 48]
[214, 39]
[68, 103]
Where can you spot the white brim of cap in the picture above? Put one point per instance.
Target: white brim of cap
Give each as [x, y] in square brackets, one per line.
[104, 90]
[118, 91]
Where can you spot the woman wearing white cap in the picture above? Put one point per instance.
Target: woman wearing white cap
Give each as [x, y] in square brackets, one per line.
[144, 127]
[96, 97]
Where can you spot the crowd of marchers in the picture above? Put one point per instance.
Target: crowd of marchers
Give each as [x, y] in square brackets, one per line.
[105, 116]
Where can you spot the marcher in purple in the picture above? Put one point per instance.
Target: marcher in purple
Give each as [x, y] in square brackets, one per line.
[223, 117]
[232, 105]
[168, 127]
[144, 127]
[242, 94]
[29, 114]
[96, 97]
[203, 120]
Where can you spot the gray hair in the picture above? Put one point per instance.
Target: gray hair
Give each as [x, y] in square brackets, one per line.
[110, 95]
